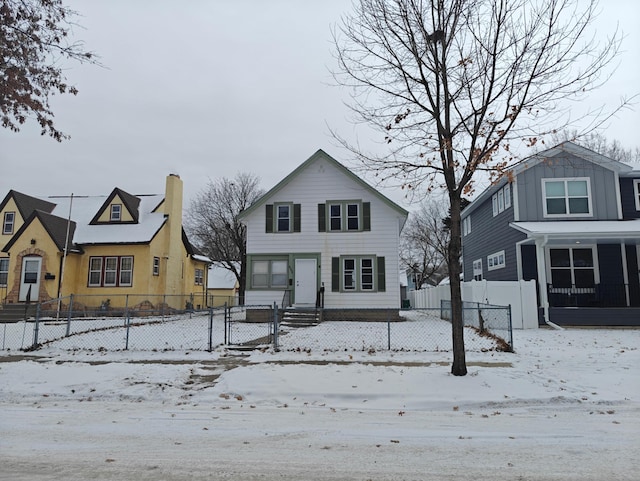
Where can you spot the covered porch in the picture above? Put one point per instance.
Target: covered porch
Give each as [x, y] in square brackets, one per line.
[590, 270]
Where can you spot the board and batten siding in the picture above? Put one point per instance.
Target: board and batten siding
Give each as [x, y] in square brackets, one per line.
[489, 235]
[319, 183]
[628, 198]
[603, 182]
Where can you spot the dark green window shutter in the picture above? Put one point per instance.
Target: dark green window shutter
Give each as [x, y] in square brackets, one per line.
[322, 224]
[381, 275]
[296, 217]
[269, 216]
[335, 274]
[366, 216]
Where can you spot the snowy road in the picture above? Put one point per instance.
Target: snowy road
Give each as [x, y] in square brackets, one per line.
[565, 407]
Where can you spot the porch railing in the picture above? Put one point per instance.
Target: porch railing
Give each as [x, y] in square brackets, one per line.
[598, 295]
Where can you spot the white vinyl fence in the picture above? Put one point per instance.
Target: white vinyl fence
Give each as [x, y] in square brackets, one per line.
[520, 295]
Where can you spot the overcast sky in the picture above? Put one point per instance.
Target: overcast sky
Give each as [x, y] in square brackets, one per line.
[211, 88]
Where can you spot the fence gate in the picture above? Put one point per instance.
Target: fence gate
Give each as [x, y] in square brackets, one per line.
[250, 326]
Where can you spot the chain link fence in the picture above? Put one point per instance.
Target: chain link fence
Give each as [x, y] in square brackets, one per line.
[70, 324]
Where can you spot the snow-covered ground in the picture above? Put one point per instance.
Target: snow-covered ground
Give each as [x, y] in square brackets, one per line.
[564, 406]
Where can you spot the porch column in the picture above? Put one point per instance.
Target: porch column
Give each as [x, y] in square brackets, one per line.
[542, 276]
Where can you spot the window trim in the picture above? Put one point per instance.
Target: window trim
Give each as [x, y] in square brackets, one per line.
[466, 225]
[567, 214]
[118, 272]
[198, 277]
[276, 217]
[4, 273]
[497, 260]
[115, 213]
[344, 215]
[6, 222]
[571, 247]
[636, 192]
[156, 266]
[358, 273]
[478, 273]
[269, 274]
[501, 200]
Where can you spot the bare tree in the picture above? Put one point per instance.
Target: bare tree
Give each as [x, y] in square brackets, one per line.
[212, 220]
[34, 44]
[454, 86]
[424, 243]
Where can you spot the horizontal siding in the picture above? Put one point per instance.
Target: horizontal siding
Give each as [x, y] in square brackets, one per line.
[319, 183]
[488, 235]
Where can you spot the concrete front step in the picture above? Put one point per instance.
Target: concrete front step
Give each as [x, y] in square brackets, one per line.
[16, 312]
[300, 317]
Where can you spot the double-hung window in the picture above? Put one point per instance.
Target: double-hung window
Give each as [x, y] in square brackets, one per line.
[344, 216]
[8, 222]
[466, 225]
[283, 217]
[477, 270]
[199, 277]
[116, 213]
[636, 192]
[335, 217]
[501, 200]
[156, 266]
[269, 274]
[111, 271]
[358, 274]
[567, 197]
[4, 271]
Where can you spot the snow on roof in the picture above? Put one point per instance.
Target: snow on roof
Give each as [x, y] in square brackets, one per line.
[83, 209]
[586, 228]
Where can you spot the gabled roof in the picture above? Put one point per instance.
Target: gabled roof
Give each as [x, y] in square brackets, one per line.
[131, 203]
[575, 149]
[545, 156]
[27, 204]
[55, 226]
[320, 154]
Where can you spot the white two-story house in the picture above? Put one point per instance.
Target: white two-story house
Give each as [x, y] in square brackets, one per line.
[323, 237]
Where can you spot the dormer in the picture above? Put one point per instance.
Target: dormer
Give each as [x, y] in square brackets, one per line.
[119, 208]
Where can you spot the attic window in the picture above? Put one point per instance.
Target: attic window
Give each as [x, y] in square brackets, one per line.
[116, 212]
[9, 222]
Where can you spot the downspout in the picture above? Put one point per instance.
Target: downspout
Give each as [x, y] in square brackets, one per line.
[541, 242]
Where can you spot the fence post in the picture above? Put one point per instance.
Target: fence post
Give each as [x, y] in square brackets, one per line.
[510, 327]
[126, 309]
[226, 328]
[69, 314]
[210, 329]
[164, 303]
[275, 325]
[36, 327]
[128, 323]
[388, 331]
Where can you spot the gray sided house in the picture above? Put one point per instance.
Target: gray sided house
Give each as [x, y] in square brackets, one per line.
[570, 219]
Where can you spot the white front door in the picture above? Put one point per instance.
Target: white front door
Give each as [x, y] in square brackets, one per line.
[30, 279]
[305, 281]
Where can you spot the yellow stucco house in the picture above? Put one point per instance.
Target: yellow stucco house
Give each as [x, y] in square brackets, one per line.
[114, 249]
